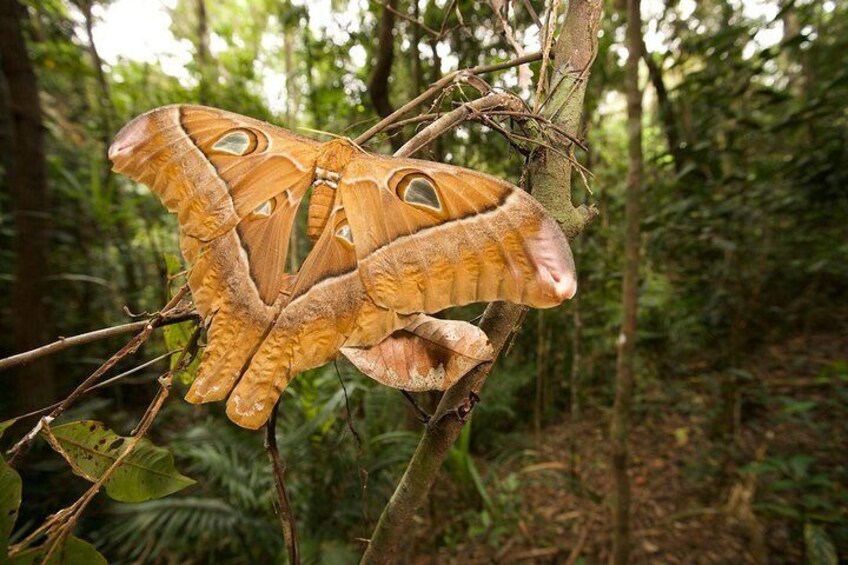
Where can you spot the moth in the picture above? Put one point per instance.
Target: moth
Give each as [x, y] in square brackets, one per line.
[394, 240]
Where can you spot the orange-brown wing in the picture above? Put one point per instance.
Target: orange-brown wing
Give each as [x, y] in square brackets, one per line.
[427, 354]
[235, 184]
[429, 236]
[328, 303]
[218, 171]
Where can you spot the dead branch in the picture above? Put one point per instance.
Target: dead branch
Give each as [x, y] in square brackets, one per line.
[455, 117]
[58, 526]
[435, 89]
[523, 70]
[90, 337]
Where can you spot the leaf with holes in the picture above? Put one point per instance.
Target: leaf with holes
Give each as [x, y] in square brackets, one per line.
[91, 448]
[73, 551]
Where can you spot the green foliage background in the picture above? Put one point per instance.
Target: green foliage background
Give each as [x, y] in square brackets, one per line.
[745, 245]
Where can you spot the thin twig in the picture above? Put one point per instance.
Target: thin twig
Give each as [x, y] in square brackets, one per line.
[58, 526]
[454, 118]
[67, 342]
[21, 448]
[547, 41]
[89, 337]
[436, 88]
[410, 19]
[105, 383]
[278, 469]
[523, 70]
[533, 13]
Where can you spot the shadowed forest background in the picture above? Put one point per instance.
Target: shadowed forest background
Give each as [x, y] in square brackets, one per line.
[739, 424]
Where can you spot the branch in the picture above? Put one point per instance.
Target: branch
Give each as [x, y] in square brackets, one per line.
[500, 319]
[173, 307]
[278, 469]
[67, 342]
[58, 526]
[438, 87]
[410, 19]
[457, 116]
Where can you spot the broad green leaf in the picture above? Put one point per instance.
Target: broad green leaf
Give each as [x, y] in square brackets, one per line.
[90, 448]
[818, 545]
[73, 551]
[10, 501]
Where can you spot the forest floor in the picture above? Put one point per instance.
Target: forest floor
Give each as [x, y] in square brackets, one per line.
[787, 468]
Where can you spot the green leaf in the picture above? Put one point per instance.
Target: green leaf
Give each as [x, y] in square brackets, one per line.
[73, 551]
[818, 545]
[5, 425]
[10, 501]
[90, 448]
[177, 336]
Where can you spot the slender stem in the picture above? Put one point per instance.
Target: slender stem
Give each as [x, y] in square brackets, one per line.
[278, 469]
[89, 337]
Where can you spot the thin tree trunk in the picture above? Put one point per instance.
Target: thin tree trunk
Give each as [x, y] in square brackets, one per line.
[574, 52]
[629, 295]
[27, 181]
[105, 94]
[666, 110]
[203, 86]
[538, 407]
[292, 96]
[378, 83]
[415, 53]
[106, 111]
[574, 378]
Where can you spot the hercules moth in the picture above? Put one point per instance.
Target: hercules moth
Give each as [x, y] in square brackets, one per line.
[394, 240]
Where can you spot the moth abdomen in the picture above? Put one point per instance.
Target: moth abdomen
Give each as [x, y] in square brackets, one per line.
[320, 206]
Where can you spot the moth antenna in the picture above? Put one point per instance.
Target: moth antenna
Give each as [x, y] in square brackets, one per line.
[322, 132]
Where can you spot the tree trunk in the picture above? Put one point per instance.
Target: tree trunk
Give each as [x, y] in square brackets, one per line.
[292, 95]
[378, 84]
[574, 53]
[417, 70]
[574, 377]
[203, 87]
[629, 295]
[27, 181]
[665, 110]
[106, 111]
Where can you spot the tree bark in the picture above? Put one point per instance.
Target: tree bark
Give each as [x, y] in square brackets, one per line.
[378, 83]
[574, 54]
[629, 294]
[27, 181]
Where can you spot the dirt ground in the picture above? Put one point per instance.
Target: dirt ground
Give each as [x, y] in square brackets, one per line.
[793, 409]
